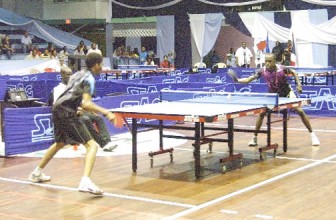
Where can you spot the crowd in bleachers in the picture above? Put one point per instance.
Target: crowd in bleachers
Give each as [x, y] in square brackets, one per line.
[126, 56]
[26, 49]
[23, 46]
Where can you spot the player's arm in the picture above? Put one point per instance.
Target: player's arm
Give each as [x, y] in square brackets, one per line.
[246, 80]
[89, 105]
[297, 80]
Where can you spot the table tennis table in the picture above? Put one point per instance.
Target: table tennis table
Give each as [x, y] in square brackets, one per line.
[129, 71]
[201, 108]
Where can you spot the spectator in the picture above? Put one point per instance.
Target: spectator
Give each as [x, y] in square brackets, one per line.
[136, 51]
[286, 57]
[231, 60]
[78, 51]
[244, 56]
[53, 55]
[64, 54]
[215, 58]
[45, 55]
[149, 61]
[33, 55]
[7, 47]
[82, 47]
[165, 63]
[94, 49]
[26, 42]
[38, 52]
[143, 55]
[278, 50]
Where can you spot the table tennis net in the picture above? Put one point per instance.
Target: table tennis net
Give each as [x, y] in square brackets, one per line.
[264, 99]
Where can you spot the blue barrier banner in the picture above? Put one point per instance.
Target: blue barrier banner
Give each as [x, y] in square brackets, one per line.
[34, 89]
[126, 101]
[323, 100]
[3, 89]
[27, 130]
[33, 77]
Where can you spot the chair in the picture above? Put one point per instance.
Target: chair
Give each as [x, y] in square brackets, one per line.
[200, 65]
[221, 65]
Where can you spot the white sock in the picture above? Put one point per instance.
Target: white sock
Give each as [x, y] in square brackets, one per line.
[37, 171]
[85, 179]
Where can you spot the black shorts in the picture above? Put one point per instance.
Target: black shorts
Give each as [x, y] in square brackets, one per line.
[71, 130]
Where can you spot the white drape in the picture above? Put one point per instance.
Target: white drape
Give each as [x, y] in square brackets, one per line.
[165, 26]
[134, 42]
[319, 2]
[205, 29]
[258, 25]
[311, 41]
[311, 29]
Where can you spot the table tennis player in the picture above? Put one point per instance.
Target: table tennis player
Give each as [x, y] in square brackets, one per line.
[78, 93]
[275, 76]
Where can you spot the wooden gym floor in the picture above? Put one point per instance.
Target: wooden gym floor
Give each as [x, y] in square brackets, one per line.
[299, 184]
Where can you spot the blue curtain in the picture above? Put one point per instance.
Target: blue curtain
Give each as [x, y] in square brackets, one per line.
[234, 20]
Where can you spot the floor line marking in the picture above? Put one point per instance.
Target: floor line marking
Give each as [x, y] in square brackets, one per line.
[250, 154]
[264, 216]
[247, 189]
[229, 212]
[142, 199]
[277, 128]
[303, 159]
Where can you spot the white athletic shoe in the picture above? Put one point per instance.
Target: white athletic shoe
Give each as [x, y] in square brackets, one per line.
[253, 142]
[110, 147]
[39, 178]
[88, 186]
[315, 140]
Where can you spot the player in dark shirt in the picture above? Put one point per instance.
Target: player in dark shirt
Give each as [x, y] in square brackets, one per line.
[276, 78]
[67, 123]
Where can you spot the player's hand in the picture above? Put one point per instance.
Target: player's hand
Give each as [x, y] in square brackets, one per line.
[110, 116]
[80, 111]
[299, 89]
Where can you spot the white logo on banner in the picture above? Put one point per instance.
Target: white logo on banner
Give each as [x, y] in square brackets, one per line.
[177, 79]
[318, 98]
[44, 128]
[143, 101]
[216, 79]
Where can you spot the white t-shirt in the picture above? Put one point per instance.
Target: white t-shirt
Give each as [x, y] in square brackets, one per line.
[58, 90]
[94, 51]
[26, 40]
[244, 56]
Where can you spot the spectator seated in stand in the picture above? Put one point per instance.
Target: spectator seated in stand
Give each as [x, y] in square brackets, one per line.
[165, 63]
[149, 61]
[33, 55]
[26, 42]
[7, 47]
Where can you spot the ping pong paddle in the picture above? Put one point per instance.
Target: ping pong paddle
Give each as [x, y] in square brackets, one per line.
[233, 75]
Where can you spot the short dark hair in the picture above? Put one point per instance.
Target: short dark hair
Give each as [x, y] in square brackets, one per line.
[93, 59]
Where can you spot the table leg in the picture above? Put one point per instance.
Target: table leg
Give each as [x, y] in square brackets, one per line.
[284, 125]
[197, 150]
[134, 144]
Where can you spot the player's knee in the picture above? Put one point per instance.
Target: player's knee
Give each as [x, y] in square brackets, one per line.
[59, 145]
[262, 115]
[299, 111]
[92, 144]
